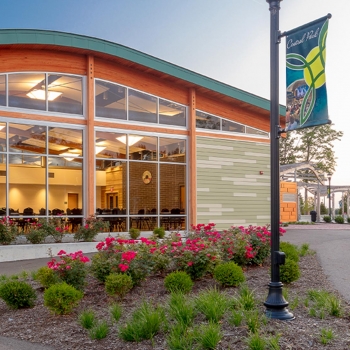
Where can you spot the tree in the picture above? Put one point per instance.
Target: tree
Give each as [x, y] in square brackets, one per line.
[311, 145]
[315, 145]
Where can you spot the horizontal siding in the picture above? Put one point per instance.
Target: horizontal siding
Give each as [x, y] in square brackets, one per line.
[230, 188]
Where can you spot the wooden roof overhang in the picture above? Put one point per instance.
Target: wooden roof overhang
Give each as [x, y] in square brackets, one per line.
[133, 59]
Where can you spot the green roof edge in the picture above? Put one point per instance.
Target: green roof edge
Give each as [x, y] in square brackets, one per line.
[49, 37]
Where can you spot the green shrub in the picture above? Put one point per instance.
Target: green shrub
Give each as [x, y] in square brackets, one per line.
[178, 281]
[289, 272]
[339, 219]
[8, 230]
[145, 323]
[62, 298]
[46, 277]
[159, 232]
[101, 266]
[327, 218]
[212, 303]
[87, 319]
[118, 284]
[134, 233]
[36, 233]
[290, 250]
[229, 274]
[17, 294]
[99, 330]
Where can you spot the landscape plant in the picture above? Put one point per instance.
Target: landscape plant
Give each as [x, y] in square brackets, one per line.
[229, 274]
[118, 284]
[8, 230]
[70, 268]
[159, 232]
[181, 309]
[61, 298]
[290, 250]
[178, 281]
[36, 231]
[289, 271]
[209, 335]
[116, 311]
[17, 294]
[46, 276]
[339, 219]
[145, 323]
[99, 330]
[87, 319]
[91, 227]
[212, 304]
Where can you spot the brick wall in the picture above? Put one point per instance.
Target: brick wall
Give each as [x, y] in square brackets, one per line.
[288, 201]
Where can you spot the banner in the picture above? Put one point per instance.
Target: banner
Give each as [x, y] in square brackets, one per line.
[306, 79]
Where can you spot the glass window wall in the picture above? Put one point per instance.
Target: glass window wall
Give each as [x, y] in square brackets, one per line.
[44, 92]
[131, 172]
[44, 175]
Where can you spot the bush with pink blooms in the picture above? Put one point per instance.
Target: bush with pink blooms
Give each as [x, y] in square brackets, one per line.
[70, 268]
[197, 254]
[116, 255]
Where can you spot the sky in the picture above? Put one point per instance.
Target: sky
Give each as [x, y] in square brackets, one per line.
[226, 40]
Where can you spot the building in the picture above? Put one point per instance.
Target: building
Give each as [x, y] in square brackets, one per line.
[91, 127]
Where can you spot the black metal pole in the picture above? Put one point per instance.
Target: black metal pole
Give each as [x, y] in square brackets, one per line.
[276, 305]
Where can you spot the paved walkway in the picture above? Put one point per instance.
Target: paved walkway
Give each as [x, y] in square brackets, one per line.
[332, 245]
[330, 241]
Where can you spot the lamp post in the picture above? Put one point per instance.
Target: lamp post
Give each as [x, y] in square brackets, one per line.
[276, 305]
[329, 195]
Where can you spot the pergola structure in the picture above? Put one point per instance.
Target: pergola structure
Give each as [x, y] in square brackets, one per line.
[318, 187]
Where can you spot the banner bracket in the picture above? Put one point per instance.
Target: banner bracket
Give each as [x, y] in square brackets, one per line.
[278, 37]
[281, 131]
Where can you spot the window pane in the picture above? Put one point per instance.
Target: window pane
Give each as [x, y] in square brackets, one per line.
[2, 137]
[143, 184]
[26, 183]
[110, 100]
[65, 94]
[142, 148]
[24, 138]
[253, 131]
[3, 90]
[171, 113]
[207, 121]
[66, 191]
[111, 192]
[142, 107]
[172, 195]
[66, 143]
[26, 90]
[2, 183]
[232, 126]
[110, 145]
[172, 150]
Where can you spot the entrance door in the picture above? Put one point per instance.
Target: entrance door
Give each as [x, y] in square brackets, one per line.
[73, 200]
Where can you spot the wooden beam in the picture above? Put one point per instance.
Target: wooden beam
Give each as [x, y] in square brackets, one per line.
[192, 159]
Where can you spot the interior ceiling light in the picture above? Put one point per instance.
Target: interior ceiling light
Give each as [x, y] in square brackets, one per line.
[132, 139]
[70, 156]
[99, 149]
[39, 94]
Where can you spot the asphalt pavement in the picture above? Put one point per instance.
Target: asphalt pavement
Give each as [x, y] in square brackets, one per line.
[330, 241]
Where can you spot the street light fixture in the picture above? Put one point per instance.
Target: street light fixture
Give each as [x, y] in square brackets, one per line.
[329, 195]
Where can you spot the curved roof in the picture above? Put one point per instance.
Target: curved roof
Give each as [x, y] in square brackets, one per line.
[11, 37]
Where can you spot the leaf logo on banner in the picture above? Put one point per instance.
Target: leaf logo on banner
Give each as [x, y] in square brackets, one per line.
[314, 72]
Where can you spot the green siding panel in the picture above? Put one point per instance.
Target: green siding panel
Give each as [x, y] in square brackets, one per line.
[230, 189]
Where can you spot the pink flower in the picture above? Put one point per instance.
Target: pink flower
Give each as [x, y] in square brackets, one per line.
[123, 267]
[68, 267]
[61, 252]
[190, 263]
